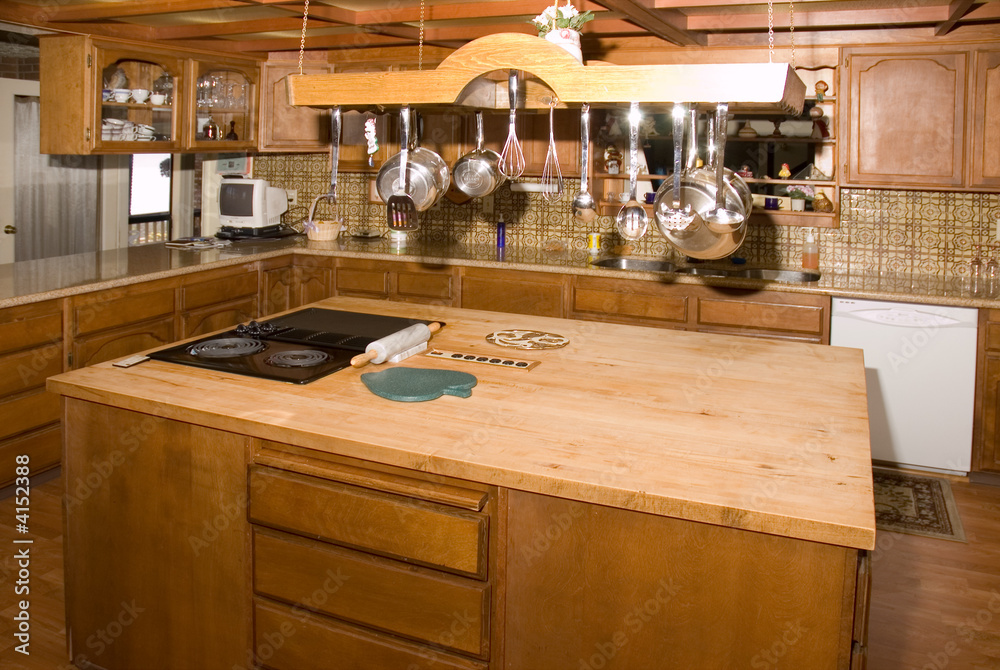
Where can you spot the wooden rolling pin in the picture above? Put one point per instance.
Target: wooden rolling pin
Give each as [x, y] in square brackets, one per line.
[398, 343]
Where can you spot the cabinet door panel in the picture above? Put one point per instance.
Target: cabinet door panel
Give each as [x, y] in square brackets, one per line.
[374, 283]
[43, 448]
[989, 449]
[985, 137]
[27, 412]
[920, 142]
[282, 126]
[535, 293]
[429, 285]
[29, 369]
[380, 593]
[628, 301]
[122, 342]
[218, 317]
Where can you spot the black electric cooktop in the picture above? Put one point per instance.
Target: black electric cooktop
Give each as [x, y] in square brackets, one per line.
[298, 348]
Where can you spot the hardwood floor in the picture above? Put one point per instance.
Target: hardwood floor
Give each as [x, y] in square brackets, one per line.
[935, 604]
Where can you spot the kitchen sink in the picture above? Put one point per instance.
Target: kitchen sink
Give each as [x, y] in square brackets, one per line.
[650, 265]
[638, 264]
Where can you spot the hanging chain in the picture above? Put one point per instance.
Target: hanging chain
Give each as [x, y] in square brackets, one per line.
[770, 31]
[302, 42]
[420, 47]
[791, 27]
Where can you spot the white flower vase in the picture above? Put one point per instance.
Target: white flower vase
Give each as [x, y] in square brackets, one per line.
[568, 40]
[798, 205]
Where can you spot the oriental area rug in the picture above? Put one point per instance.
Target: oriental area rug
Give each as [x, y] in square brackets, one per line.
[916, 505]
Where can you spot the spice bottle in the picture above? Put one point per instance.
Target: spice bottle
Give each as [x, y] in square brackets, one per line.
[810, 252]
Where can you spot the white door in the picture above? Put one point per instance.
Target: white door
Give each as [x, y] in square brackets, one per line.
[9, 90]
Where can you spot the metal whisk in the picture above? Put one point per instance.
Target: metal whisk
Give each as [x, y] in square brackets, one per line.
[512, 157]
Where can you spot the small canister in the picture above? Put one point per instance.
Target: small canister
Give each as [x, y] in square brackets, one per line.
[594, 243]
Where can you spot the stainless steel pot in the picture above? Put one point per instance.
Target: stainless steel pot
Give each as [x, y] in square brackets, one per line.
[700, 241]
[477, 173]
[427, 178]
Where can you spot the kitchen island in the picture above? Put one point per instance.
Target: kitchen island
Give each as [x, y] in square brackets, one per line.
[642, 498]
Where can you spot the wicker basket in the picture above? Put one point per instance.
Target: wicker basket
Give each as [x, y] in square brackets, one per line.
[323, 230]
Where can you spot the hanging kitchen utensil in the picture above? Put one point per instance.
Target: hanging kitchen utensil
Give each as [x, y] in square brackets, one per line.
[632, 220]
[401, 211]
[477, 173]
[512, 156]
[584, 207]
[552, 181]
[734, 181]
[330, 195]
[722, 218]
[667, 211]
[426, 181]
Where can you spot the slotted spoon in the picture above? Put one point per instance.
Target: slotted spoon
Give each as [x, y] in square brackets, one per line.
[401, 211]
[676, 217]
[552, 180]
[632, 221]
[512, 156]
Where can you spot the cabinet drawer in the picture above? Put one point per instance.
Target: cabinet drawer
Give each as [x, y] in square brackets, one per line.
[761, 316]
[218, 316]
[122, 342]
[114, 308]
[221, 289]
[536, 293]
[27, 412]
[43, 448]
[310, 642]
[444, 610]
[424, 285]
[356, 280]
[29, 369]
[411, 530]
[30, 326]
[643, 301]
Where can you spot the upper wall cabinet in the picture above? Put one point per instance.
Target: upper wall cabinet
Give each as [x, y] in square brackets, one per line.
[922, 117]
[105, 96]
[286, 128]
[906, 120]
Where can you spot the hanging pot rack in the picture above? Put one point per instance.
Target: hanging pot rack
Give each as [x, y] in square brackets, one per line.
[466, 78]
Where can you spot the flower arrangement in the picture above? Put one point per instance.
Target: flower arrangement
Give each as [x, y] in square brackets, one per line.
[566, 16]
[800, 191]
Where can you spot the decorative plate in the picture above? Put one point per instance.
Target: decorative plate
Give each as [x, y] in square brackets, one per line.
[527, 339]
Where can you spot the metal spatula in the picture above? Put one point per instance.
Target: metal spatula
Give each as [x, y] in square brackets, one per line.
[330, 195]
[401, 211]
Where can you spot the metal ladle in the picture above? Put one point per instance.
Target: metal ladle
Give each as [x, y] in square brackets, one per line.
[720, 218]
[632, 221]
[584, 207]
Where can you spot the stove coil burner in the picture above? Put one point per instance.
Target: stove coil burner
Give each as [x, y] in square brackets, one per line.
[227, 347]
[302, 358]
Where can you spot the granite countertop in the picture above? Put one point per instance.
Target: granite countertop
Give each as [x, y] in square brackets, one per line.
[34, 281]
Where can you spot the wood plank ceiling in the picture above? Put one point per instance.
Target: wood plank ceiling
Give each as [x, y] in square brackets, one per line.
[261, 26]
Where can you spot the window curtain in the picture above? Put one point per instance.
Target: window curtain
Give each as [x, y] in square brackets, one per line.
[56, 198]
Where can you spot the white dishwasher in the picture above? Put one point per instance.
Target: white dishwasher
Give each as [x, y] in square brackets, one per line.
[920, 367]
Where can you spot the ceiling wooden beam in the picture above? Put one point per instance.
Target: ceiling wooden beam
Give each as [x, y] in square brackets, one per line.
[956, 10]
[326, 12]
[465, 10]
[665, 24]
[819, 19]
[103, 11]
[200, 30]
[354, 40]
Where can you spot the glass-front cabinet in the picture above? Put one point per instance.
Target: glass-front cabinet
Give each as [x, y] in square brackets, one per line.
[108, 96]
[222, 108]
[137, 102]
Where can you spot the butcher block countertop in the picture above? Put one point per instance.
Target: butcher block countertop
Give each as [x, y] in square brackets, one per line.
[753, 434]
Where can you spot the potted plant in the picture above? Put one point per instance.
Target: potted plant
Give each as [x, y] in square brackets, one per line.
[800, 193]
[561, 25]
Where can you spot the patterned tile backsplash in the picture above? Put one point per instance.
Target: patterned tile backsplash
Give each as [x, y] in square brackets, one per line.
[881, 231]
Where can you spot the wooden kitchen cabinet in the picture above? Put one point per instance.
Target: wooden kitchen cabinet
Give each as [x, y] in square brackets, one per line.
[282, 126]
[905, 120]
[412, 553]
[709, 309]
[217, 299]
[31, 350]
[77, 119]
[277, 285]
[520, 292]
[121, 321]
[403, 281]
[985, 137]
[986, 425]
